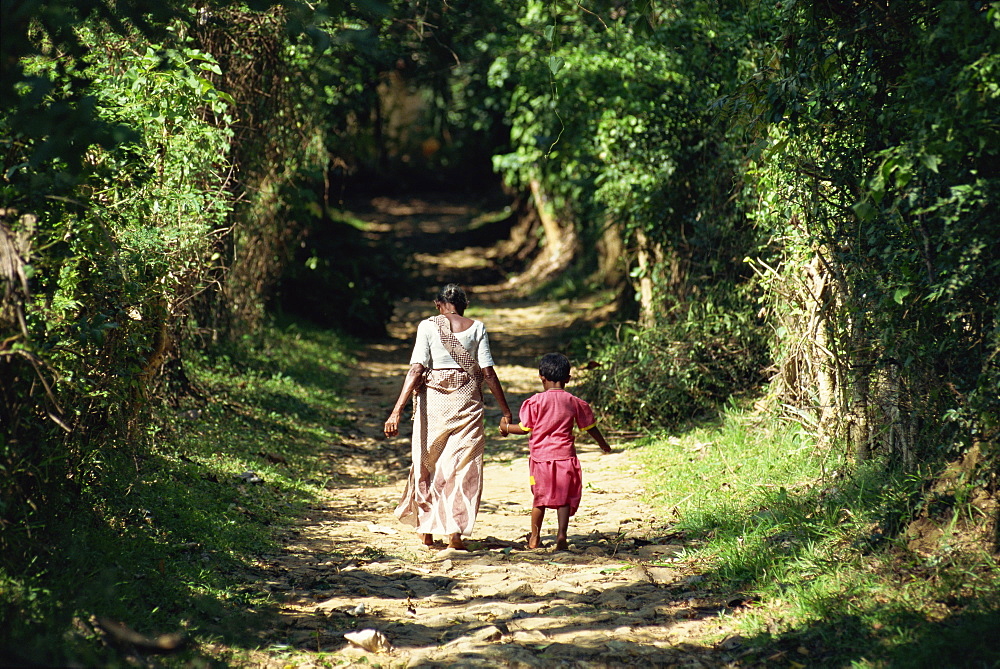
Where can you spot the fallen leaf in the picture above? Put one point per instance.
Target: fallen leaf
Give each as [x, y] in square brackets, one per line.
[370, 640]
[380, 529]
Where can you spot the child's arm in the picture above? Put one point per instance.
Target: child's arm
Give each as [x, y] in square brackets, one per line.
[594, 432]
[507, 428]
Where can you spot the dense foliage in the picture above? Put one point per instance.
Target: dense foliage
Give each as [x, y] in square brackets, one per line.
[623, 137]
[151, 198]
[674, 373]
[849, 154]
[111, 240]
[881, 164]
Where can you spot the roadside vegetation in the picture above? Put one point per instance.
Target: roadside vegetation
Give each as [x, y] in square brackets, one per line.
[174, 544]
[822, 555]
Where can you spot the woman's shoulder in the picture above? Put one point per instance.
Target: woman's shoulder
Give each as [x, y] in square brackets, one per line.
[426, 326]
[478, 327]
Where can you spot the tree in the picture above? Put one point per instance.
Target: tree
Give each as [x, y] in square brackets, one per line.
[878, 173]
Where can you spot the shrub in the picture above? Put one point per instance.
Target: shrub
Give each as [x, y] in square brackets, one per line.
[339, 278]
[671, 373]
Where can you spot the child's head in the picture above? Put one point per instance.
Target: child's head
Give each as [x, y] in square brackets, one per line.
[554, 367]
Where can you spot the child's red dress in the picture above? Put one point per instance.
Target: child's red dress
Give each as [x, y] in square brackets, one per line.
[549, 418]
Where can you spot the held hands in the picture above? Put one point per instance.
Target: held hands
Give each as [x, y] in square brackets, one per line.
[504, 425]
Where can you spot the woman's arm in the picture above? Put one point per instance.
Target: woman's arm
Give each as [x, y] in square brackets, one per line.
[493, 382]
[391, 428]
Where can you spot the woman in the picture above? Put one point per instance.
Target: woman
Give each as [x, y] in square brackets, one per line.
[451, 360]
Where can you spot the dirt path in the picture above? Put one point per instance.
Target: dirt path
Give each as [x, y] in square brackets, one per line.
[621, 595]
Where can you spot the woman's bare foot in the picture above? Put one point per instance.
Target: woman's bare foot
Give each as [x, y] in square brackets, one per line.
[456, 542]
[427, 539]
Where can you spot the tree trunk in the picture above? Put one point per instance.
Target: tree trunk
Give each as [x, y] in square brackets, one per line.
[560, 238]
[647, 259]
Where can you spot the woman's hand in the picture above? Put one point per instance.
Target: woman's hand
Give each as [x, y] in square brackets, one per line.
[391, 428]
[504, 424]
[410, 383]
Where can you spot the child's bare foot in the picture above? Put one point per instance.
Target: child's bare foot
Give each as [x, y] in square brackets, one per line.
[456, 542]
[534, 541]
[562, 545]
[427, 539]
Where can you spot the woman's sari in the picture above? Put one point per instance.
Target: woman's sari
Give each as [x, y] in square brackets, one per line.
[446, 478]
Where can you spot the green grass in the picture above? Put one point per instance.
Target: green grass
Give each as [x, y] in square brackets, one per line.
[346, 217]
[165, 537]
[820, 546]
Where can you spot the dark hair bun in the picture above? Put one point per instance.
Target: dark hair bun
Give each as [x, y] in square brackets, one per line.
[453, 295]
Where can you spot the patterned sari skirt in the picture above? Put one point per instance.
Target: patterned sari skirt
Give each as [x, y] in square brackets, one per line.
[446, 478]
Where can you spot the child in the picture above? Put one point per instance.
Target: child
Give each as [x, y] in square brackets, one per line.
[548, 418]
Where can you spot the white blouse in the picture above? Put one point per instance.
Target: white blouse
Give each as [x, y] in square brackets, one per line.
[431, 353]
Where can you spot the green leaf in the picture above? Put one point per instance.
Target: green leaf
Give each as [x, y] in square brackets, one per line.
[900, 294]
[777, 148]
[864, 210]
[555, 64]
[931, 162]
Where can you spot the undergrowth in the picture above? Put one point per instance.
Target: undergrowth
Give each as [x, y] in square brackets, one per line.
[819, 548]
[164, 538]
[684, 369]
